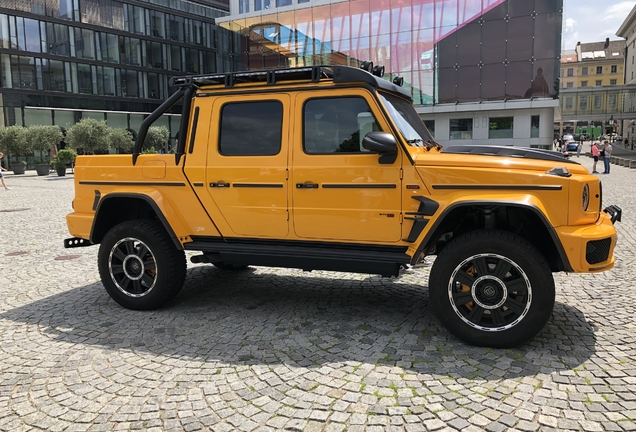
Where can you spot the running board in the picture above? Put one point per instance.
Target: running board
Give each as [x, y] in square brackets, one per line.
[385, 261]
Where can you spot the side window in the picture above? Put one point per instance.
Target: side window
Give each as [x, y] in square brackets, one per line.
[251, 128]
[337, 125]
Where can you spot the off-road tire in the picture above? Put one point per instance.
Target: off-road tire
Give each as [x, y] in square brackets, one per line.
[492, 288]
[140, 266]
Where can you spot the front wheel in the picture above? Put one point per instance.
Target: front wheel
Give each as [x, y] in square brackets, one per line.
[492, 288]
[140, 266]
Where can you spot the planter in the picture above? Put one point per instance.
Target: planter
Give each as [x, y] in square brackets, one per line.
[42, 169]
[18, 168]
[61, 171]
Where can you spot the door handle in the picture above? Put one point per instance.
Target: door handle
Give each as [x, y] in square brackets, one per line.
[220, 184]
[306, 185]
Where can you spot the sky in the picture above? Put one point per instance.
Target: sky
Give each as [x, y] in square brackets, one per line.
[592, 20]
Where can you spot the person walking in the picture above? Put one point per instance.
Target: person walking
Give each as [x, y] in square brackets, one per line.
[578, 149]
[1, 176]
[607, 149]
[595, 153]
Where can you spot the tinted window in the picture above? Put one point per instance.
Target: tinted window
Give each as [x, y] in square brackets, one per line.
[337, 125]
[251, 128]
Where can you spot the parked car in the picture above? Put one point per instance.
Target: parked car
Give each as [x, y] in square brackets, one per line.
[568, 138]
[571, 146]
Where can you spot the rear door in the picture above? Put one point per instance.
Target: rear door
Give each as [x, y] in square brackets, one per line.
[246, 172]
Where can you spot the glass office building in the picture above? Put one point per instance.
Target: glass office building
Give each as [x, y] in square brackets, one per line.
[480, 58]
[61, 60]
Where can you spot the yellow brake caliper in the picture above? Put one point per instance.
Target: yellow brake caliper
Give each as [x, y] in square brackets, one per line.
[465, 288]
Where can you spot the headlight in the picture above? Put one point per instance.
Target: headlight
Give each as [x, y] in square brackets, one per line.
[586, 197]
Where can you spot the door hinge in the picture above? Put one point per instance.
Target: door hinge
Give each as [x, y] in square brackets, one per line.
[286, 173]
[401, 218]
[401, 173]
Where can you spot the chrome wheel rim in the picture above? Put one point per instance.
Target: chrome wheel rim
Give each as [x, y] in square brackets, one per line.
[132, 267]
[490, 292]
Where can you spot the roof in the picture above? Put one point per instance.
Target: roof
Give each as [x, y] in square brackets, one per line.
[597, 51]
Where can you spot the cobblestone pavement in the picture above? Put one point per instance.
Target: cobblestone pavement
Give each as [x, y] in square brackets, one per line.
[274, 349]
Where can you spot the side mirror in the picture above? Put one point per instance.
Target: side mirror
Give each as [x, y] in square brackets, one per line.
[380, 142]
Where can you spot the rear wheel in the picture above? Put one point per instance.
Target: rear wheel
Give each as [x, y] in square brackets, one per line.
[140, 266]
[492, 288]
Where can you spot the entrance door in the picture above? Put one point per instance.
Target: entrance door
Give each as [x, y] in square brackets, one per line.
[341, 191]
[247, 163]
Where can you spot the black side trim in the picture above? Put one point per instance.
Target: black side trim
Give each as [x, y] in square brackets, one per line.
[359, 186]
[197, 184]
[428, 207]
[555, 238]
[359, 258]
[194, 129]
[258, 185]
[125, 183]
[150, 202]
[98, 195]
[498, 187]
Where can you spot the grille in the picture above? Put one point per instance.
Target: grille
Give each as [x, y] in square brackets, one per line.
[597, 251]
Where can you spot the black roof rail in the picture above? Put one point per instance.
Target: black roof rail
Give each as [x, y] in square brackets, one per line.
[339, 74]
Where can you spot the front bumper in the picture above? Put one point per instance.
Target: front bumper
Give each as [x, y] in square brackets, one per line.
[590, 248]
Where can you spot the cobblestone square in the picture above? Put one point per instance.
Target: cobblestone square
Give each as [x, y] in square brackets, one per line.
[268, 349]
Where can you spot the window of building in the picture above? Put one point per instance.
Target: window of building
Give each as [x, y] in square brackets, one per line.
[430, 125]
[599, 70]
[611, 101]
[461, 129]
[500, 127]
[612, 82]
[583, 102]
[584, 70]
[598, 102]
[263, 4]
[84, 44]
[280, 3]
[568, 102]
[337, 125]
[583, 83]
[244, 6]
[570, 85]
[599, 83]
[251, 128]
[570, 71]
[534, 126]
[614, 69]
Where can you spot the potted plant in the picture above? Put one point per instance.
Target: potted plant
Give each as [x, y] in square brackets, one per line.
[89, 135]
[41, 139]
[13, 141]
[62, 158]
[121, 139]
[156, 138]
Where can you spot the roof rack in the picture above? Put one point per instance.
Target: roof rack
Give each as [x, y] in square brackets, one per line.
[270, 76]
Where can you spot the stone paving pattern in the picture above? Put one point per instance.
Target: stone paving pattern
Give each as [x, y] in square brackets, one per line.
[275, 349]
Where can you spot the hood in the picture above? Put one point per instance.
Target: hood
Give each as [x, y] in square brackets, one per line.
[489, 157]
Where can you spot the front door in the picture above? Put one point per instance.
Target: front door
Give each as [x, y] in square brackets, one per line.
[341, 191]
[246, 172]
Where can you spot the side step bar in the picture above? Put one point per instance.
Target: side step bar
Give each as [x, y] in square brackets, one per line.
[356, 259]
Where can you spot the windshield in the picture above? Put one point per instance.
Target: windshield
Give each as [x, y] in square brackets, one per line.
[408, 122]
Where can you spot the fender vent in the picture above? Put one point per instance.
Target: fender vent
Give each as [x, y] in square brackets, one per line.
[597, 251]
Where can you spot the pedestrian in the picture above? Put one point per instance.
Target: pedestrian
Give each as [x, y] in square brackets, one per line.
[607, 149]
[578, 149]
[1, 176]
[595, 154]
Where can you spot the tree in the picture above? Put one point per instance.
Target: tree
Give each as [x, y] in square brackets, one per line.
[42, 138]
[13, 140]
[121, 139]
[156, 138]
[89, 135]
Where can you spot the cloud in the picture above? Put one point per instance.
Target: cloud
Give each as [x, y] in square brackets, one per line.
[618, 12]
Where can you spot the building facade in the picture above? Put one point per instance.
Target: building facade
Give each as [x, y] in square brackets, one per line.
[479, 71]
[592, 92]
[61, 60]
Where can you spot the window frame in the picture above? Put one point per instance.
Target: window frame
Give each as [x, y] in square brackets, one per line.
[450, 129]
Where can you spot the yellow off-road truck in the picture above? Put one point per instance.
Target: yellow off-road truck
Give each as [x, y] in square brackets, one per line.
[331, 168]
